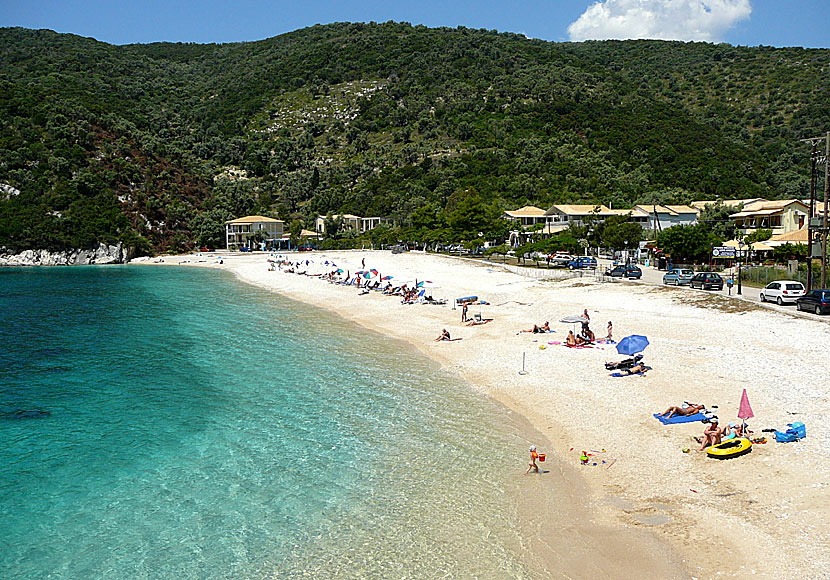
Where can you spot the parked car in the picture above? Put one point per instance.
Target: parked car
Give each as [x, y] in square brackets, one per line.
[678, 277]
[205, 249]
[583, 263]
[244, 249]
[561, 258]
[782, 291]
[623, 271]
[706, 281]
[817, 301]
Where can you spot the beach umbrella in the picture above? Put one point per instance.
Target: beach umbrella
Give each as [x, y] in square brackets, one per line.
[387, 277]
[745, 411]
[576, 319]
[632, 345]
[370, 273]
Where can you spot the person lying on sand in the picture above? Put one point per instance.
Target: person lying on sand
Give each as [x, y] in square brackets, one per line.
[445, 335]
[712, 435]
[684, 411]
[636, 369]
[538, 329]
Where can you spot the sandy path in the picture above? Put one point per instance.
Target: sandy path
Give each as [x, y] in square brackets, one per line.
[764, 514]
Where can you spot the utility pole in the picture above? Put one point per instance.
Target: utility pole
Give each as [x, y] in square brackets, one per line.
[812, 213]
[826, 207]
[813, 222]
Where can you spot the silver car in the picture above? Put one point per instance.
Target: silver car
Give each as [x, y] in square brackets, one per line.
[678, 277]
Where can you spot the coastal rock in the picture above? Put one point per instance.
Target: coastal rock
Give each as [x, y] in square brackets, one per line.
[101, 254]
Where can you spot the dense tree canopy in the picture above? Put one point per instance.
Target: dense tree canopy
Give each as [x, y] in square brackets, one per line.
[439, 129]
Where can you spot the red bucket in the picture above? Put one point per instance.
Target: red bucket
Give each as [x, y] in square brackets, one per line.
[541, 457]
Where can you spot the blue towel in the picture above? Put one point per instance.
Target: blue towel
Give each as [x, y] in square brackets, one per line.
[680, 418]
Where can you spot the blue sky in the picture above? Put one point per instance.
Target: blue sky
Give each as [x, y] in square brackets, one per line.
[744, 22]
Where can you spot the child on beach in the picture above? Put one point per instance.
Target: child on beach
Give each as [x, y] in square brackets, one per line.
[534, 455]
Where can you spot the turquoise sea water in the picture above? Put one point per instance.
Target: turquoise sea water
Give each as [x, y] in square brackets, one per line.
[160, 422]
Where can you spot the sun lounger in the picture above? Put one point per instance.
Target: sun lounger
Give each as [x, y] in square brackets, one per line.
[679, 418]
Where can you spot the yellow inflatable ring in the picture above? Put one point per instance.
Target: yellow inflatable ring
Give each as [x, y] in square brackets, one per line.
[731, 448]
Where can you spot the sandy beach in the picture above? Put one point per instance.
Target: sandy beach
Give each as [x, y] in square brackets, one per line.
[650, 510]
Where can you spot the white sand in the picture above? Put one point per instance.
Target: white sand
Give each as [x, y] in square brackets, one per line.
[763, 514]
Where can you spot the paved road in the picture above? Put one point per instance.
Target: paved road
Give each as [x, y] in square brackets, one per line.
[654, 276]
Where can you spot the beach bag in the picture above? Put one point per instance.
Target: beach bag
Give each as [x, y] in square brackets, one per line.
[799, 428]
[785, 436]
[795, 432]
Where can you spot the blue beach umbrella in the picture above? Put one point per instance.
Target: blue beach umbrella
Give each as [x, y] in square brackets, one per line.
[632, 345]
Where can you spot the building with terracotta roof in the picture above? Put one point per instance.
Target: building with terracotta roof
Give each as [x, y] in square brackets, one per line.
[239, 231]
[701, 205]
[781, 216]
[526, 216]
[798, 236]
[660, 217]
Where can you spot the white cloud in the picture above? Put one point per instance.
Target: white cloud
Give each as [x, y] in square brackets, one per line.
[704, 20]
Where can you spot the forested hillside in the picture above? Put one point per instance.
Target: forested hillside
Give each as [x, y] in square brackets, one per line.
[156, 145]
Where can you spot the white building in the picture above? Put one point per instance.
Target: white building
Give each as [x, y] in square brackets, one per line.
[239, 231]
[354, 222]
[660, 217]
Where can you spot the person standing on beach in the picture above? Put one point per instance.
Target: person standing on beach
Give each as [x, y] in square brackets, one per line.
[534, 455]
[464, 313]
[610, 331]
[585, 315]
[363, 263]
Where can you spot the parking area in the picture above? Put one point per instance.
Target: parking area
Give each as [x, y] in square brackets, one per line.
[654, 277]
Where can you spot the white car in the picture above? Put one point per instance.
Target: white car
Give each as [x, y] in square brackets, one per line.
[782, 291]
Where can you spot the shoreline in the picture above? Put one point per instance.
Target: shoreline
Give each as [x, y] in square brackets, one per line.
[610, 514]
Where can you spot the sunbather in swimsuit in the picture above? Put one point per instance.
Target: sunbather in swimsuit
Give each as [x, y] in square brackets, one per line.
[636, 369]
[684, 411]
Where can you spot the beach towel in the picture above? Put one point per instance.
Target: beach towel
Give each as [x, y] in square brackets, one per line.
[679, 418]
[629, 375]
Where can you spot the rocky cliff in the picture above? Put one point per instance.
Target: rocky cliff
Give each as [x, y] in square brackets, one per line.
[101, 254]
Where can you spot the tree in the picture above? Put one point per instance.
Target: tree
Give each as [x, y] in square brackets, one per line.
[620, 233]
[761, 235]
[469, 218]
[716, 218]
[688, 243]
[333, 226]
[789, 252]
[295, 230]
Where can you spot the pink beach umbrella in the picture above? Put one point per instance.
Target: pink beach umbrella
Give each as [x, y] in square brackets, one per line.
[745, 411]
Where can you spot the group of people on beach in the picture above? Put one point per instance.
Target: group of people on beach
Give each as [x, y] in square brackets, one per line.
[713, 434]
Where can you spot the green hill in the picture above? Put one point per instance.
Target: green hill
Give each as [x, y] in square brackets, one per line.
[156, 145]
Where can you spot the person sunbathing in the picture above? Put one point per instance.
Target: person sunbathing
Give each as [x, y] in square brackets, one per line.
[637, 369]
[684, 411]
[734, 430]
[712, 435]
[538, 329]
[571, 340]
[445, 335]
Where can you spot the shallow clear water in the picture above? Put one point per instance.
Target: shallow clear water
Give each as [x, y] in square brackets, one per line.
[162, 423]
